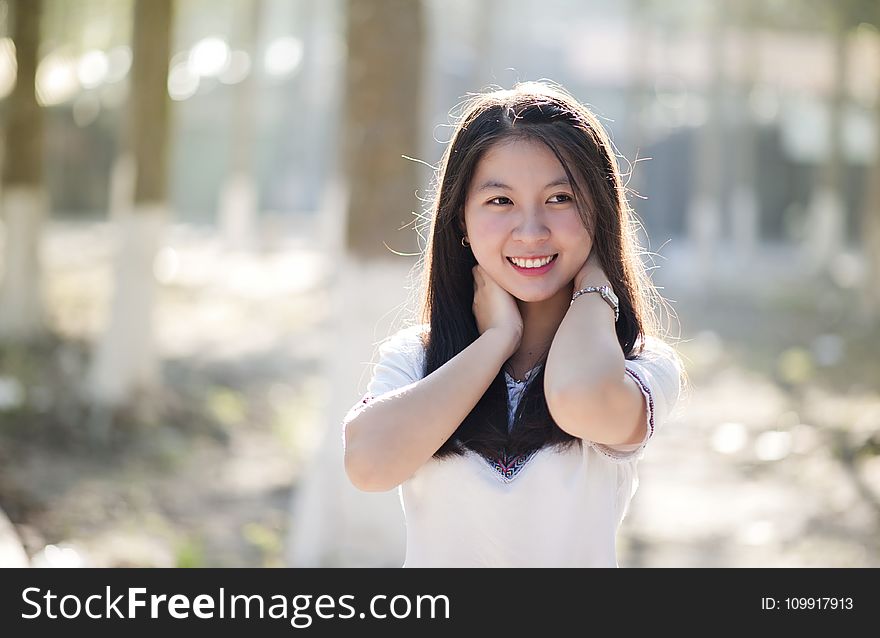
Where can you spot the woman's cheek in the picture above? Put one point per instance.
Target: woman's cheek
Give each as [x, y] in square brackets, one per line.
[491, 225]
[572, 225]
[577, 238]
[487, 234]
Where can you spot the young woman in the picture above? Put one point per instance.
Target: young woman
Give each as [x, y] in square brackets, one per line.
[513, 417]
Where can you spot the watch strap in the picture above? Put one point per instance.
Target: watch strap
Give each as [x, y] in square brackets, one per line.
[604, 292]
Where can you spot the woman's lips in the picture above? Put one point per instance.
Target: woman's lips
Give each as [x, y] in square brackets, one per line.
[534, 272]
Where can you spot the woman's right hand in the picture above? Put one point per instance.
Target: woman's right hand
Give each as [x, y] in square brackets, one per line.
[494, 307]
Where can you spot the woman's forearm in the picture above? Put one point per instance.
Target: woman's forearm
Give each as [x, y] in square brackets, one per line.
[584, 363]
[387, 440]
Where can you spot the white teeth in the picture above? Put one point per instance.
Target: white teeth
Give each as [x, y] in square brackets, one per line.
[532, 263]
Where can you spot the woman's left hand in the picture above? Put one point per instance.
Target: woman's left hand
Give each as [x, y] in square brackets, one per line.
[591, 273]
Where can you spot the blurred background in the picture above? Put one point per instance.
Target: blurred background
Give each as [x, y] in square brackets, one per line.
[212, 213]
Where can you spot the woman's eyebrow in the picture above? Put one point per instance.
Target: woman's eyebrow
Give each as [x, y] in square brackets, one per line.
[562, 181]
[491, 184]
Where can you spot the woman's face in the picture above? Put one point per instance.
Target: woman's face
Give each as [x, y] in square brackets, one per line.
[520, 205]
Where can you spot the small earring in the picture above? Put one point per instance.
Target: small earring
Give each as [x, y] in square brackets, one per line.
[465, 242]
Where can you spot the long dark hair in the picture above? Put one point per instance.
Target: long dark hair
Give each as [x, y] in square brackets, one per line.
[547, 114]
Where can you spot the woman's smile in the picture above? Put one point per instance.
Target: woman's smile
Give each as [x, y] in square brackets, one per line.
[533, 267]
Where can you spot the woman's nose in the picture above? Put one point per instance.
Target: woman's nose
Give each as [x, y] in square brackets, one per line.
[532, 225]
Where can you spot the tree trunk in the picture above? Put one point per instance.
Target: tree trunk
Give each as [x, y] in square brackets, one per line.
[635, 136]
[871, 231]
[704, 213]
[126, 362]
[745, 213]
[239, 197]
[332, 522]
[149, 105]
[827, 212]
[23, 200]
[381, 123]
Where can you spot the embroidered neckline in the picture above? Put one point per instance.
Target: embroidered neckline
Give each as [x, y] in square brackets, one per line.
[506, 468]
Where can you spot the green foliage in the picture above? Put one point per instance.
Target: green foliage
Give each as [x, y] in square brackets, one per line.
[267, 540]
[190, 552]
[226, 405]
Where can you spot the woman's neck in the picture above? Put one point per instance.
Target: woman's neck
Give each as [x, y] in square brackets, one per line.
[541, 320]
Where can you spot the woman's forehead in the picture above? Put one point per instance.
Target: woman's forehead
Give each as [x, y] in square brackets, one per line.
[520, 160]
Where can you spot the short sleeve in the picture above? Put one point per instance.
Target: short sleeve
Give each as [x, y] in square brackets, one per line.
[658, 373]
[399, 362]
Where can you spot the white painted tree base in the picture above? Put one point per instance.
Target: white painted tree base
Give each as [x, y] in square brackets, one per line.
[122, 184]
[12, 552]
[871, 245]
[125, 360]
[238, 212]
[22, 309]
[333, 523]
[825, 229]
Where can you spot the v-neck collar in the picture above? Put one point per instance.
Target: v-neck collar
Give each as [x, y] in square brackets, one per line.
[505, 467]
[528, 375]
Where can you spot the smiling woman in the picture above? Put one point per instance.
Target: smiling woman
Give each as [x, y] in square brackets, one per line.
[521, 394]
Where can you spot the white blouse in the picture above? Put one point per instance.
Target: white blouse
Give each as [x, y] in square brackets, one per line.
[548, 509]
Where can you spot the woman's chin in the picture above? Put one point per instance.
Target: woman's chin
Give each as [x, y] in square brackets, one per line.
[533, 297]
[536, 296]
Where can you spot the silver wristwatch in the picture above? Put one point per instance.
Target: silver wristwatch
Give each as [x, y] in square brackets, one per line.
[607, 294]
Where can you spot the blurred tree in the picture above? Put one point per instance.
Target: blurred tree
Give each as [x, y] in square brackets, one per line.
[381, 123]
[239, 198]
[125, 363]
[829, 215]
[705, 209]
[24, 204]
[826, 227]
[870, 218]
[634, 135]
[745, 210]
[332, 522]
[870, 230]
[483, 42]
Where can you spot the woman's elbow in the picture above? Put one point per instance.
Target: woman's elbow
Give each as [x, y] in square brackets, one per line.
[363, 475]
[363, 468]
[572, 412]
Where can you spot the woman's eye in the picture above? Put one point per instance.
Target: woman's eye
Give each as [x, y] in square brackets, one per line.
[499, 201]
[560, 198]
